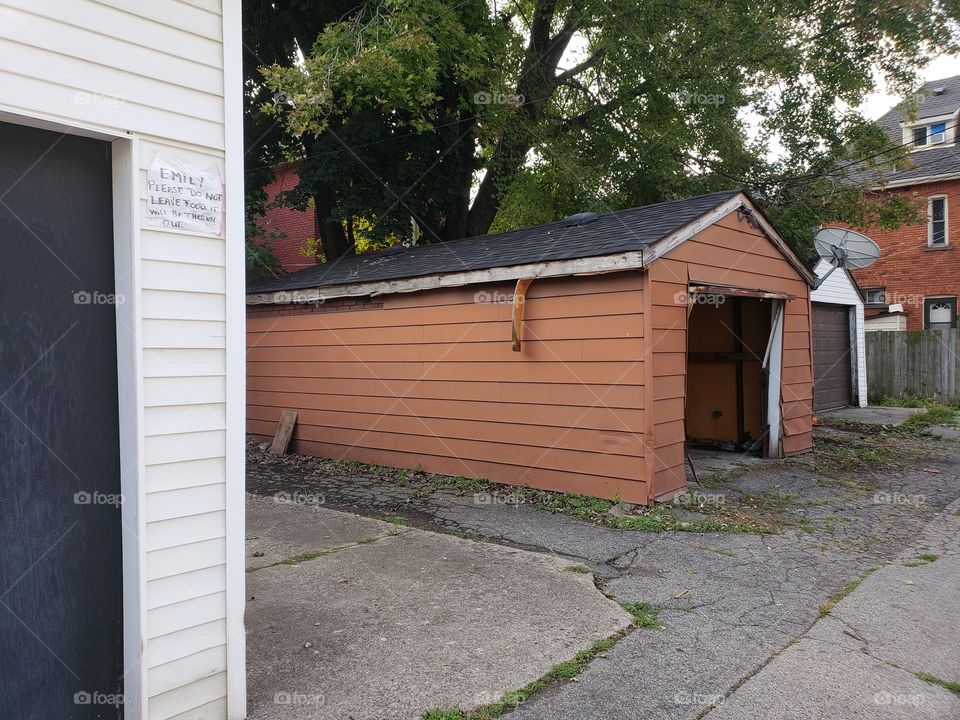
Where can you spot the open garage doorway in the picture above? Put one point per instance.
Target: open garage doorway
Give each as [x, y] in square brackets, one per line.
[734, 342]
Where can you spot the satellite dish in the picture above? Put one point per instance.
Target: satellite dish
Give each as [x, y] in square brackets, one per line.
[844, 248]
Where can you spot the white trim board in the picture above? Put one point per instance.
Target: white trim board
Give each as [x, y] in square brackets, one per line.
[126, 259]
[775, 380]
[236, 407]
[632, 260]
[923, 180]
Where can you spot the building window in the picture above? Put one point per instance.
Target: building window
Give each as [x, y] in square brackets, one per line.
[920, 136]
[938, 133]
[875, 296]
[937, 224]
[939, 313]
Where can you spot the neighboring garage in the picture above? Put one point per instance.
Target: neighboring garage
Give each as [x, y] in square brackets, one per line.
[839, 365]
[557, 356]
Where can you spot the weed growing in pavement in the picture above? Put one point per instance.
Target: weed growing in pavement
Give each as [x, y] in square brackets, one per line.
[718, 551]
[832, 601]
[644, 614]
[558, 673]
[953, 687]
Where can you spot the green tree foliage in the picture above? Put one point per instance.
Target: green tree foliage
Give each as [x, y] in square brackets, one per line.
[468, 115]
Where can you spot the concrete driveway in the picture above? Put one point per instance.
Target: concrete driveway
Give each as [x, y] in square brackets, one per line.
[352, 617]
[733, 603]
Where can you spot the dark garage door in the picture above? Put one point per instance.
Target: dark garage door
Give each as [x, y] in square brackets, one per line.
[831, 356]
[60, 561]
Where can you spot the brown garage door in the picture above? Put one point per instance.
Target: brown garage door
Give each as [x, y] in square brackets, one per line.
[831, 356]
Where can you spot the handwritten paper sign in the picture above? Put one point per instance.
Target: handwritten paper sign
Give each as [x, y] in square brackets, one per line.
[181, 196]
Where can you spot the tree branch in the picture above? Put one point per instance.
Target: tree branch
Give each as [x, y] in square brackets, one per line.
[583, 119]
[588, 63]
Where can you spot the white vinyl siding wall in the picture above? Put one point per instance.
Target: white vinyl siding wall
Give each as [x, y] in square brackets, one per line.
[154, 72]
[838, 289]
[886, 322]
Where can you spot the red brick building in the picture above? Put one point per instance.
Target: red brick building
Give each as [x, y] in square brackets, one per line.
[293, 227]
[919, 265]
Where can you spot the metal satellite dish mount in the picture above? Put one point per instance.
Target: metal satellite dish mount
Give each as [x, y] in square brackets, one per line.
[844, 248]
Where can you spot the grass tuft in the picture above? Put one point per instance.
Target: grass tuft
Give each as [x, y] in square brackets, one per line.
[953, 687]
[644, 614]
[558, 673]
[832, 601]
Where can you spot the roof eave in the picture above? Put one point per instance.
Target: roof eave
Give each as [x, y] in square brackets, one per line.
[618, 262]
[922, 180]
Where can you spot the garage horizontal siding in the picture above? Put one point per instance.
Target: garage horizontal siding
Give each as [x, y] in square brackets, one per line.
[183, 390]
[93, 46]
[181, 672]
[505, 371]
[605, 416]
[447, 464]
[186, 614]
[139, 91]
[177, 588]
[182, 249]
[430, 379]
[103, 21]
[181, 503]
[181, 334]
[178, 530]
[111, 65]
[283, 392]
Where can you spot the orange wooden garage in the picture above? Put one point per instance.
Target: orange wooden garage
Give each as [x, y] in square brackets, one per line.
[578, 356]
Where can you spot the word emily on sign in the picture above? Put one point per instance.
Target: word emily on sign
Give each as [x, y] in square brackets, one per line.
[181, 196]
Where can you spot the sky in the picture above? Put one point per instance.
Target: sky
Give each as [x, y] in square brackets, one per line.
[878, 103]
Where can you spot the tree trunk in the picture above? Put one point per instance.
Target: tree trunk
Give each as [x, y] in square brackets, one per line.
[332, 236]
[485, 205]
[455, 223]
[537, 82]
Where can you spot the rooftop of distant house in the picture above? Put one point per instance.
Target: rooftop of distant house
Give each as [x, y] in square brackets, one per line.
[926, 123]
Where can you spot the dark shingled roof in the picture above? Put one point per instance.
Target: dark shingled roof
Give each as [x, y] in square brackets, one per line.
[933, 160]
[608, 234]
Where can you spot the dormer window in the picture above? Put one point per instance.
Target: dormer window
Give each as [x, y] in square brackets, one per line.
[920, 136]
[938, 133]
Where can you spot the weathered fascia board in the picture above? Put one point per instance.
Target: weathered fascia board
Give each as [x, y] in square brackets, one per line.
[633, 260]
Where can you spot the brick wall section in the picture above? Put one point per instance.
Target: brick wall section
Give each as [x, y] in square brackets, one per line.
[908, 268]
[295, 224]
[307, 308]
